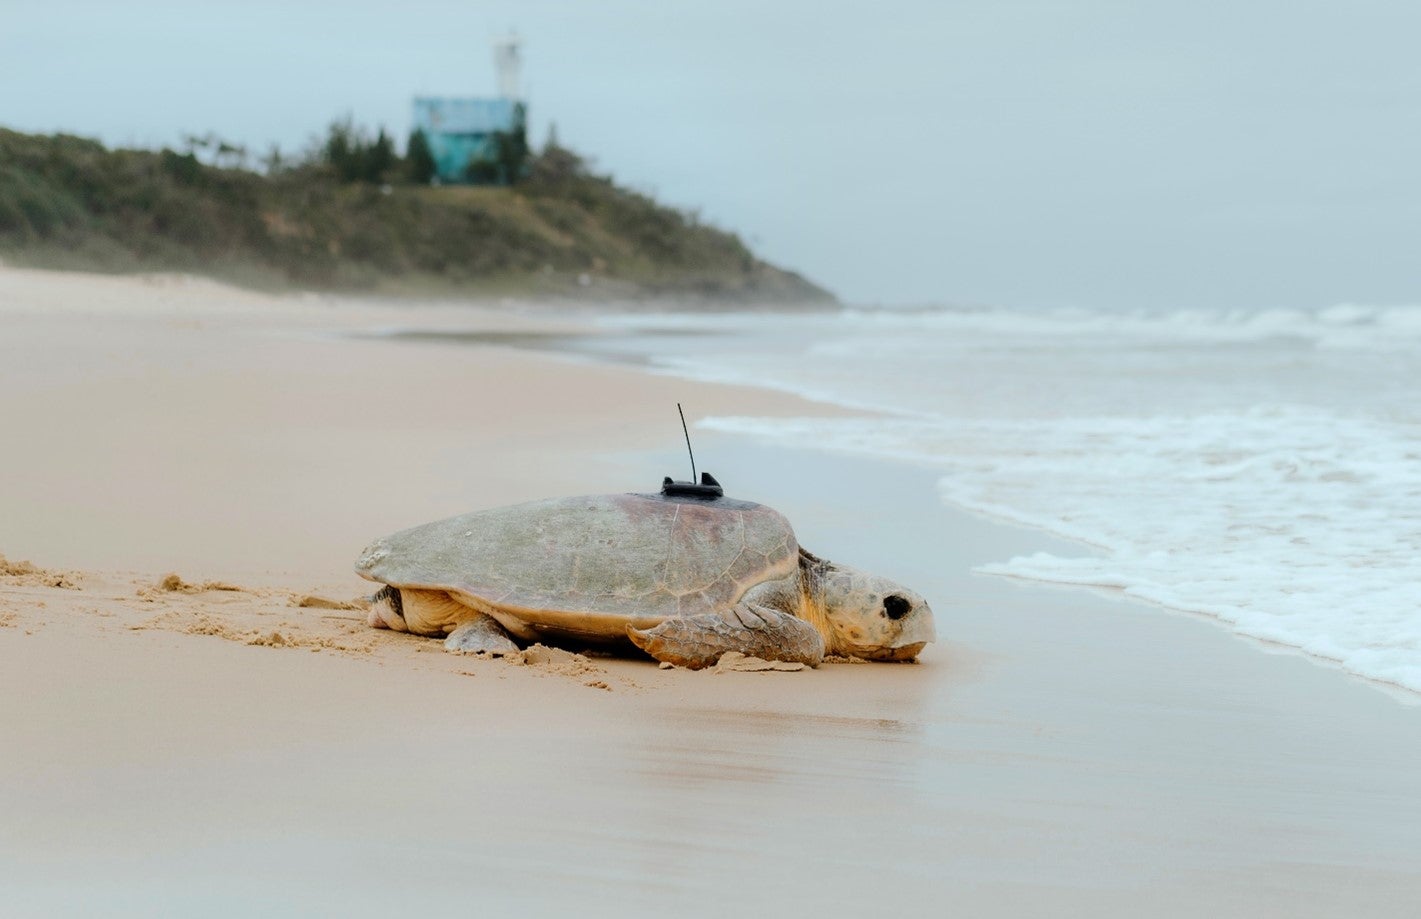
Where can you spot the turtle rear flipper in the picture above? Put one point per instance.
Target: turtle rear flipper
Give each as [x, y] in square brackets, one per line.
[480, 634]
[755, 631]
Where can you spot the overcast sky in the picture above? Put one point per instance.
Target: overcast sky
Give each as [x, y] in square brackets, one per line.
[1090, 153]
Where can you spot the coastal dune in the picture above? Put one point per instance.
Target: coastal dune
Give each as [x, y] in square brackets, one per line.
[193, 709]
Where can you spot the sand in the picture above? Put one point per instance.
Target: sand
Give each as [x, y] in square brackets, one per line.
[195, 719]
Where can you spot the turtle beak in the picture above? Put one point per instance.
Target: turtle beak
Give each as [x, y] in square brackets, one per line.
[917, 630]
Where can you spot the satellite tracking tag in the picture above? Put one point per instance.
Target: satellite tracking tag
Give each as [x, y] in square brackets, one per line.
[707, 488]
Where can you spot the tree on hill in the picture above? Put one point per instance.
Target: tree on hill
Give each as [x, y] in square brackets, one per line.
[511, 154]
[419, 160]
[505, 161]
[379, 157]
[555, 166]
[354, 156]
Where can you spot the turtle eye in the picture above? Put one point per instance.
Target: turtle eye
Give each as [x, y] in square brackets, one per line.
[895, 606]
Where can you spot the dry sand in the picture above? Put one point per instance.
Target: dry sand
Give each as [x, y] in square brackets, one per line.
[195, 720]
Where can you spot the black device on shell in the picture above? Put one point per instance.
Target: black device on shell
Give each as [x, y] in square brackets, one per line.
[708, 487]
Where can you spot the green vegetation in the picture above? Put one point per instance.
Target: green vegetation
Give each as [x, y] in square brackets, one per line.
[354, 215]
[354, 157]
[509, 163]
[419, 161]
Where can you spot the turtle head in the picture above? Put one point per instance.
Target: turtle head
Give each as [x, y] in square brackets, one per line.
[871, 617]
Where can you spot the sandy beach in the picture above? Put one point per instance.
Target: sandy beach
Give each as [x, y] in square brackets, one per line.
[195, 719]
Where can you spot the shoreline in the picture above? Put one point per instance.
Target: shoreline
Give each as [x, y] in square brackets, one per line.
[1055, 749]
[1396, 692]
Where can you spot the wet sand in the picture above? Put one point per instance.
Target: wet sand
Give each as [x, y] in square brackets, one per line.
[217, 747]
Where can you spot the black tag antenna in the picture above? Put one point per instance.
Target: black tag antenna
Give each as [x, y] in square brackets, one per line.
[706, 487]
[685, 430]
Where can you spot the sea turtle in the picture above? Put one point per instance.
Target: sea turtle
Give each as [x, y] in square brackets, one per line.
[683, 577]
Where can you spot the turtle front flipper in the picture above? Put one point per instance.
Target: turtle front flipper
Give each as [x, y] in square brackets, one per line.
[755, 631]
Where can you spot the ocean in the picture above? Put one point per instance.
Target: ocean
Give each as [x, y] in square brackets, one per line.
[1262, 468]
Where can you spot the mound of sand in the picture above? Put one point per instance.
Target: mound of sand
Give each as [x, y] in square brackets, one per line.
[30, 574]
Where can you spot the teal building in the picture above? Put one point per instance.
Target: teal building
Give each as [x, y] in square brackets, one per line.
[463, 135]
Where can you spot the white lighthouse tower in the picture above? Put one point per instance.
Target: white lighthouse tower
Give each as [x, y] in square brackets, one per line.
[508, 62]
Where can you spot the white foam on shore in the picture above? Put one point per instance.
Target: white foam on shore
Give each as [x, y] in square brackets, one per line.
[1263, 468]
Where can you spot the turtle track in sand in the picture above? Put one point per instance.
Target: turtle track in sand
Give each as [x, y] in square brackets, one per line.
[35, 599]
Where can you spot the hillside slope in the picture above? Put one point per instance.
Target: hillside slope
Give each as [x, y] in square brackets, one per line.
[70, 202]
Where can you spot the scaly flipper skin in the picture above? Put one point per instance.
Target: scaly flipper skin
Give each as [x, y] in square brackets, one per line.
[756, 631]
[482, 633]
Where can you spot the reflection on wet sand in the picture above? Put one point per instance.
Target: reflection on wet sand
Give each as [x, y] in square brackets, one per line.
[709, 748]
